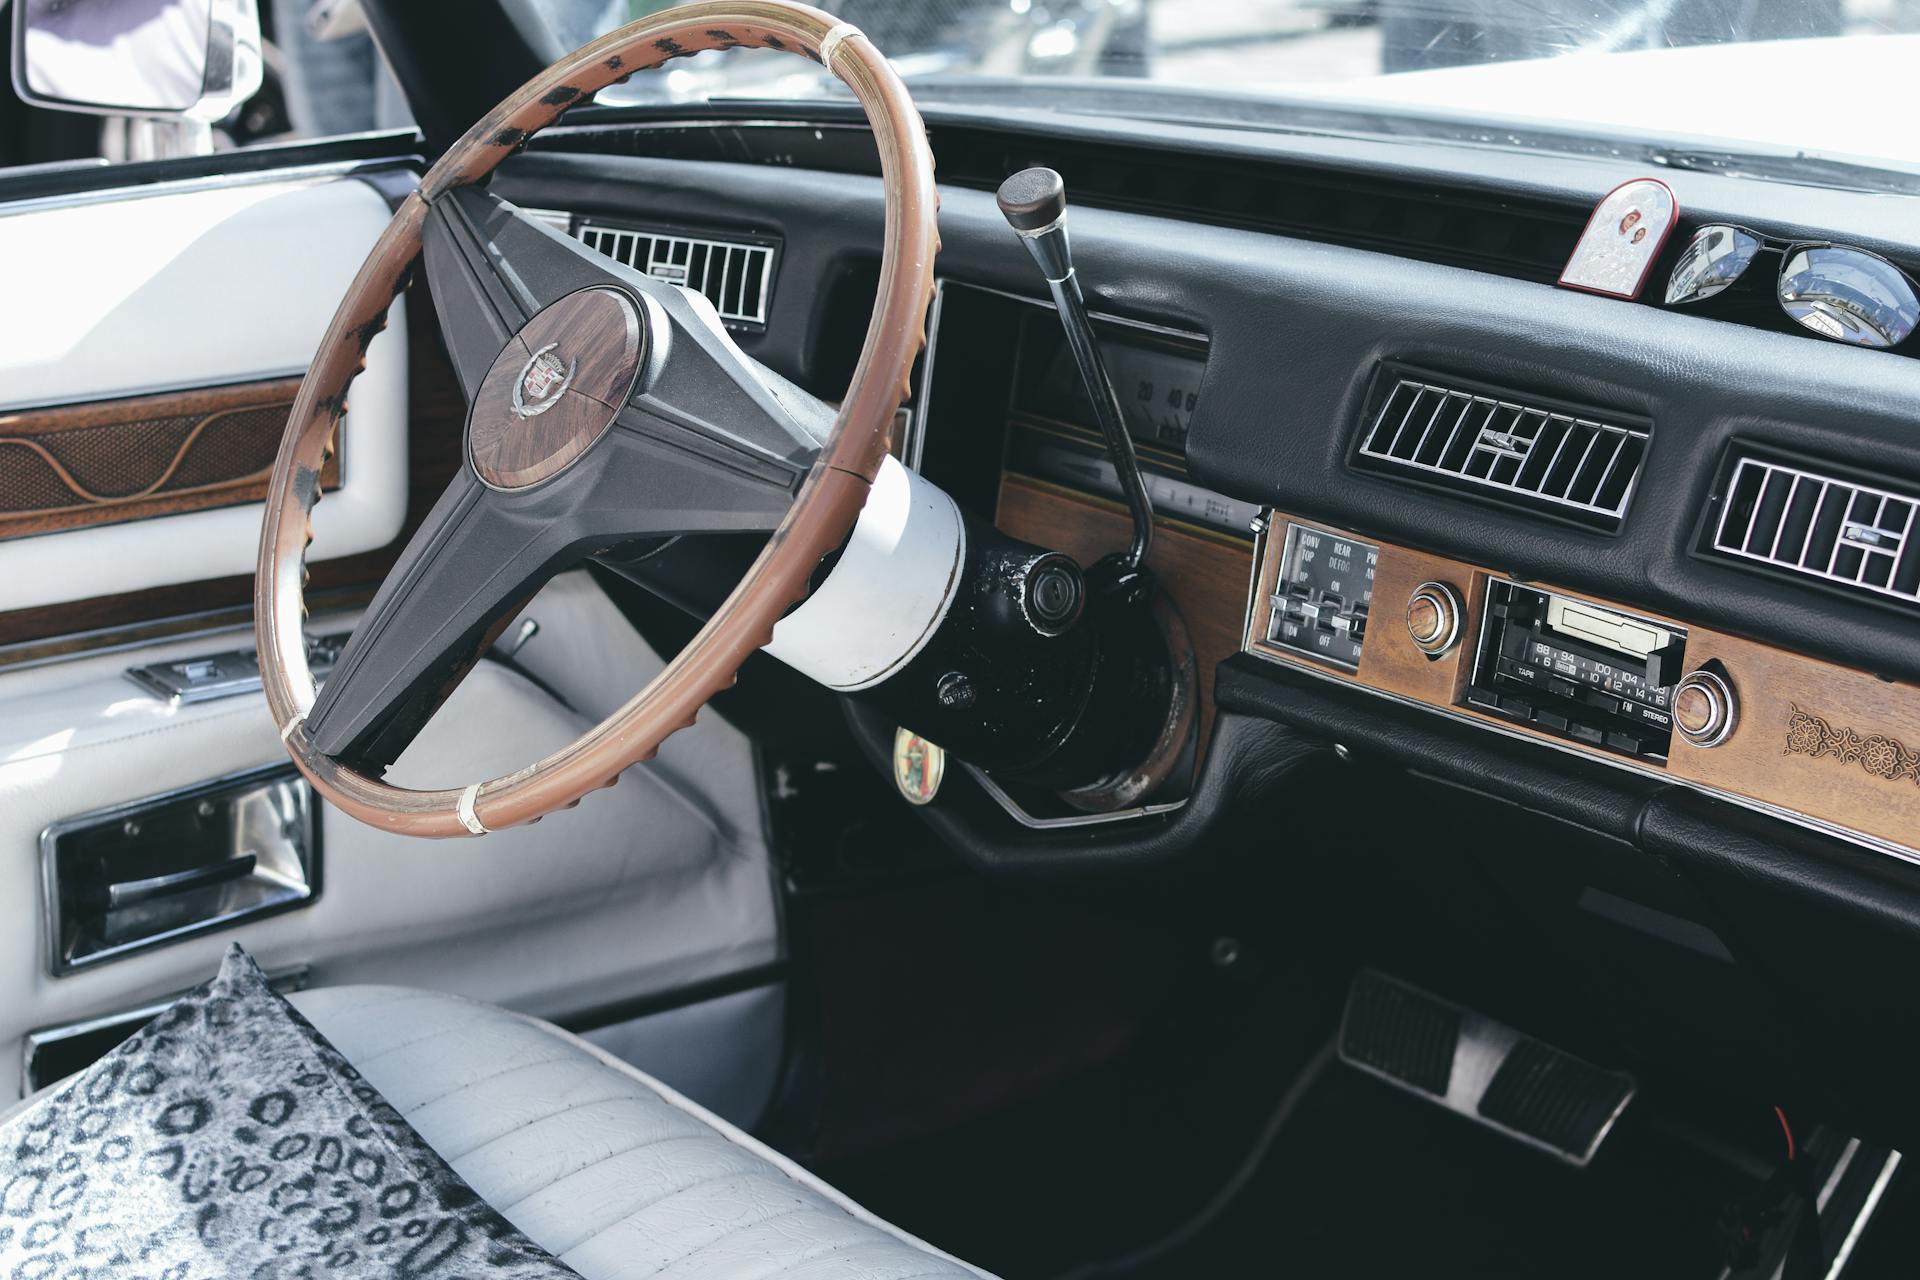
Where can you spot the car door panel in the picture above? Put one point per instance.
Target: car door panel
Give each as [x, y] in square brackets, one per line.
[656, 884]
[168, 324]
[142, 396]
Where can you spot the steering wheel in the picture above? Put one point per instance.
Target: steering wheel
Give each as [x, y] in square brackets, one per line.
[604, 408]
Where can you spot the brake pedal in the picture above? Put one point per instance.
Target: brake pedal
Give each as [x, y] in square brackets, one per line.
[1480, 1068]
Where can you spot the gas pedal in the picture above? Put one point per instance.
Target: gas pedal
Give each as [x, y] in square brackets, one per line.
[1480, 1068]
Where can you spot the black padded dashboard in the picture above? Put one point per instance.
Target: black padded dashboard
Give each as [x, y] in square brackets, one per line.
[1818, 929]
[1297, 328]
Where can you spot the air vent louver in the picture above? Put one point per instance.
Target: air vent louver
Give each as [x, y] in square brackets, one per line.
[1808, 521]
[1545, 457]
[736, 276]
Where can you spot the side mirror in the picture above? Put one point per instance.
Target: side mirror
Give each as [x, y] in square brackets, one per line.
[195, 59]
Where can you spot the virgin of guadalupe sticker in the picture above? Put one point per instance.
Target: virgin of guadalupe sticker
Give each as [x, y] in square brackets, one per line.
[1622, 239]
[918, 767]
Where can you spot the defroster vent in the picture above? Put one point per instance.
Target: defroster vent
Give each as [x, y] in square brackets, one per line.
[1812, 521]
[735, 275]
[1550, 458]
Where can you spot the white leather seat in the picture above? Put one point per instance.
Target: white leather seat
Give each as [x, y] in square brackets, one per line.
[611, 1171]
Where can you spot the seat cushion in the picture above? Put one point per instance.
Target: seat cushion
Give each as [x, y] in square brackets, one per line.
[227, 1138]
[596, 1162]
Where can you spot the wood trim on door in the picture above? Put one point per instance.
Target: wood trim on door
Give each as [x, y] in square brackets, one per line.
[435, 414]
[108, 461]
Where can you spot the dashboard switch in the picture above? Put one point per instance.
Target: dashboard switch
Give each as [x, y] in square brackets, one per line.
[1433, 617]
[1324, 590]
[1704, 708]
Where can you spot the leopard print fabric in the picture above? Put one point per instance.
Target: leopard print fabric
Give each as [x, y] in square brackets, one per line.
[229, 1138]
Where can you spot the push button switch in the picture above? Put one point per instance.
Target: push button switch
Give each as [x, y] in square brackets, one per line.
[1433, 617]
[1704, 708]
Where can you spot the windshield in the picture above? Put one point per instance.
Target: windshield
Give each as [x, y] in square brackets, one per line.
[1819, 79]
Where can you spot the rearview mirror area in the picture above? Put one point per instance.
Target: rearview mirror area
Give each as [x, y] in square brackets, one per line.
[196, 59]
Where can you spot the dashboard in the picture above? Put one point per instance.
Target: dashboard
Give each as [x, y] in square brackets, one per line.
[1564, 642]
[1385, 453]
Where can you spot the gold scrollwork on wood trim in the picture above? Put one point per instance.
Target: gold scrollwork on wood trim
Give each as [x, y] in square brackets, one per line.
[1879, 755]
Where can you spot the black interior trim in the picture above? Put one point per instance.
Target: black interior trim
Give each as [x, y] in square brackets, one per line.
[1297, 327]
[393, 148]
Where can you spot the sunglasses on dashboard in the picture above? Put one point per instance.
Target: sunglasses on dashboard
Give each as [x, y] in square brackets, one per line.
[1837, 291]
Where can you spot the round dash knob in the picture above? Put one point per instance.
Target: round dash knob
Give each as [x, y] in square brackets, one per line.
[1433, 617]
[1704, 708]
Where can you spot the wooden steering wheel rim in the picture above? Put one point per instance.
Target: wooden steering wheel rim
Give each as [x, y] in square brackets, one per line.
[829, 500]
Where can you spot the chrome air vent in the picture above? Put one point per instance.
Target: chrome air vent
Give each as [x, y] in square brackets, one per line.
[1806, 519]
[1550, 458]
[735, 275]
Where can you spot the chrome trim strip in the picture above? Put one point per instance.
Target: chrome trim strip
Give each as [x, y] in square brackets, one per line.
[913, 443]
[1806, 821]
[1026, 819]
[1108, 317]
[1262, 530]
[1839, 1171]
[147, 641]
[224, 181]
[1865, 1215]
[158, 389]
[590, 127]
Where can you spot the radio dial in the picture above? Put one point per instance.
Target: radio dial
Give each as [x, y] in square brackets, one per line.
[1704, 708]
[1433, 617]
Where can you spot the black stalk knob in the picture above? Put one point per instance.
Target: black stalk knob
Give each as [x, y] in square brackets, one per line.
[1033, 199]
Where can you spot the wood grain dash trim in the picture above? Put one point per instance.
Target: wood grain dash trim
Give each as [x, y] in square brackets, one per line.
[1204, 572]
[1831, 744]
[77, 466]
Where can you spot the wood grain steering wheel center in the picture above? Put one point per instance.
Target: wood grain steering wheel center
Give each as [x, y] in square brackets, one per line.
[555, 388]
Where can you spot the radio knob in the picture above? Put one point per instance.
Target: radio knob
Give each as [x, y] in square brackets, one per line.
[1433, 617]
[1704, 708]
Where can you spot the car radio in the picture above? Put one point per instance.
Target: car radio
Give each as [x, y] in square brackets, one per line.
[1577, 670]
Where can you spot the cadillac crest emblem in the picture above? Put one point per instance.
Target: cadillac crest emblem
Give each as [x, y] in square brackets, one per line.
[541, 382]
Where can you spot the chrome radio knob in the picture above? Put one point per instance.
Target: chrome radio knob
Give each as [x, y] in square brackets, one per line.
[1704, 707]
[1433, 617]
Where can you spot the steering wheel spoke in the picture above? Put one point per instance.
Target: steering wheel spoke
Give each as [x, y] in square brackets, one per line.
[647, 483]
[463, 574]
[492, 269]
